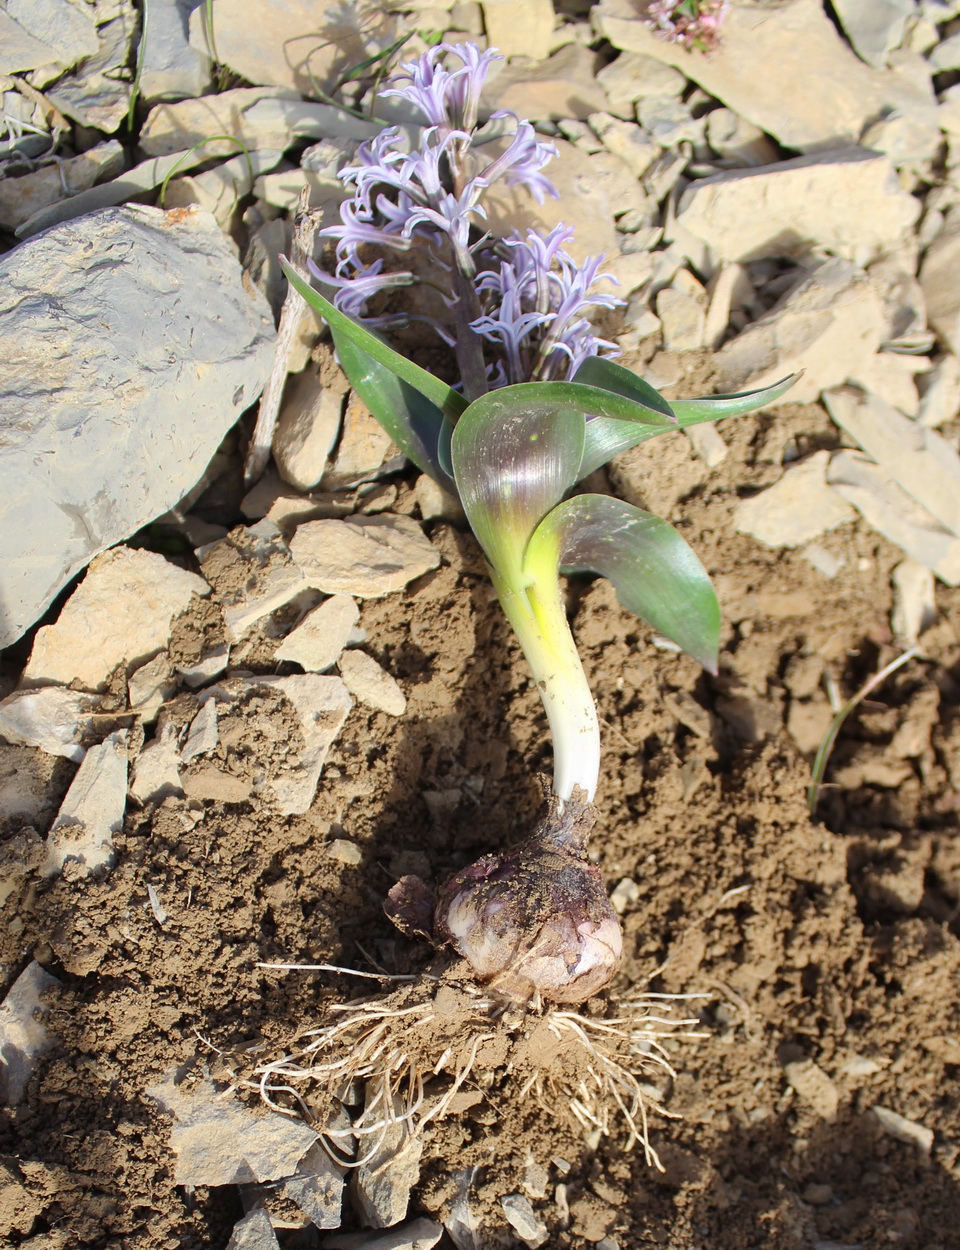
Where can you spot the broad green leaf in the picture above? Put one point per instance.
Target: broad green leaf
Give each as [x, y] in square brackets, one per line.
[654, 571]
[605, 438]
[514, 458]
[713, 407]
[609, 376]
[439, 394]
[417, 426]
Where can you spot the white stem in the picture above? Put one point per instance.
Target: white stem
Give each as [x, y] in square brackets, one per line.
[540, 623]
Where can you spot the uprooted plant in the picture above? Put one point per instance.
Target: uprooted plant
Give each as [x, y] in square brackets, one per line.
[539, 409]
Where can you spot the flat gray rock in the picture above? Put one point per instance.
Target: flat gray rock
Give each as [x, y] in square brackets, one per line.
[783, 67]
[131, 346]
[171, 67]
[23, 1035]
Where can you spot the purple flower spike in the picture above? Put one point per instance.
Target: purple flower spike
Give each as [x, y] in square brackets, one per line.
[517, 307]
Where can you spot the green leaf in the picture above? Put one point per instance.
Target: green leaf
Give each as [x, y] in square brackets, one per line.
[713, 407]
[514, 456]
[654, 571]
[605, 438]
[438, 393]
[609, 376]
[417, 426]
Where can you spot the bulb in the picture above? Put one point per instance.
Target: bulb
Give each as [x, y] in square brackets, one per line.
[534, 920]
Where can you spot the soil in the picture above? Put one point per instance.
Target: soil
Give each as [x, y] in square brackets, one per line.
[822, 956]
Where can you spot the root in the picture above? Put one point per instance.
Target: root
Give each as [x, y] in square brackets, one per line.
[419, 1049]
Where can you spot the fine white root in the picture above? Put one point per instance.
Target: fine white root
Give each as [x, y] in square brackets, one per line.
[416, 1048]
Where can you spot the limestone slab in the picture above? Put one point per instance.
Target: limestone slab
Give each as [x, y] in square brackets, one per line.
[370, 684]
[830, 325]
[798, 508]
[112, 403]
[363, 556]
[783, 67]
[92, 810]
[216, 1140]
[316, 643]
[848, 201]
[120, 614]
[891, 511]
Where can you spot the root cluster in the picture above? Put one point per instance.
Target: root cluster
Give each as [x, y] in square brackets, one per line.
[441, 1044]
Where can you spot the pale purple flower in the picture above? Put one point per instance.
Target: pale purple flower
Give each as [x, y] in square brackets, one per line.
[535, 298]
[519, 303]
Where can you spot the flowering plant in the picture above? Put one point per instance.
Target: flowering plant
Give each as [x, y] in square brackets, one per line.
[692, 23]
[540, 409]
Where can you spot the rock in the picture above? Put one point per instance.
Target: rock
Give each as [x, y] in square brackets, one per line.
[523, 1220]
[171, 68]
[253, 574]
[625, 894]
[259, 117]
[145, 413]
[207, 668]
[156, 773]
[365, 449]
[668, 121]
[812, 1086]
[909, 1131]
[345, 852]
[382, 1184]
[211, 783]
[564, 85]
[216, 1140]
[891, 511]
[321, 705]
[363, 556]
[419, 1234]
[45, 32]
[120, 615]
[707, 442]
[761, 71]
[946, 55]
[939, 393]
[23, 1035]
[142, 178]
[253, 1232]
[316, 1188]
[57, 721]
[297, 45]
[519, 30]
[730, 290]
[874, 27]
[938, 280]
[21, 197]
[98, 95]
[734, 139]
[919, 460]
[632, 76]
[682, 309]
[823, 561]
[202, 737]
[830, 325]
[218, 191]
[152, 685]
[307, 427]
[848, 201]
[370, 684]
[315, 644]
[914, 601]
[435, 503]
[628, 142]
[92, 810]
[799, 507]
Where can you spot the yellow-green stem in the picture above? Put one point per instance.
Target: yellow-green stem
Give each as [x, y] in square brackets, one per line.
[536, 612]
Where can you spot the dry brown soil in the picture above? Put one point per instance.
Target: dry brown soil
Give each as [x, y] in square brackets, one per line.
[832, 940]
